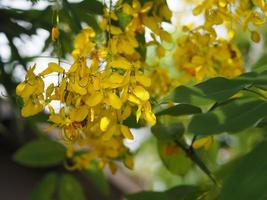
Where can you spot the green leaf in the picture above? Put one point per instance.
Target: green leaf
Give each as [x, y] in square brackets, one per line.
[179, 110]
[148, 196]
[93, 7]
[41, 153]
[70, 188]
[98, 178]
[261, 64]
[46, 189]
[232, 117]
[182, 192]
[262, 123]
[177, 162]
[168, 131]
[187, 95]
[220, 89]
[248, 180]
[253, 78]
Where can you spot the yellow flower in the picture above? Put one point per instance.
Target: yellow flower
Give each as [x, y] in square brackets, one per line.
[83, 44]
[104, 123]
[52, 67]
[79, 114]
[30, 108]
[126, 132]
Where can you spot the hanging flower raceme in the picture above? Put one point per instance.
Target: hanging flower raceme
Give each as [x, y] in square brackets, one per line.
[104, 86]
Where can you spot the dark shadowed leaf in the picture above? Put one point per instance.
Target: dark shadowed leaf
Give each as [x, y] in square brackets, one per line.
[179, 110]
[98, 178]
[248, 180]
[219, 89]
[187, 95]
[183, 192]
[232, 117]
[168, 131]
[46, 189]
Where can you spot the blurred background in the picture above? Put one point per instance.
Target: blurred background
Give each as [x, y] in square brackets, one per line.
[25, 40]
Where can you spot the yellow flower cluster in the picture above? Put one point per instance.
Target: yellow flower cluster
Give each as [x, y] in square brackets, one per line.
[104, 86]
[201, 53]
[202, 56]
[233, 12]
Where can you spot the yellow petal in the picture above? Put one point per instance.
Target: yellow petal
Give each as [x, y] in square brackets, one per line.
[144, 80]
[141, 93]
[55, 119]
[164, 35]
[138, 113]
[109, 133]
[120, 62]
[116, 78]
[78, 89]
[160, 51]
[94, 99]
[115, 30]
[49, 90]
[147, 6]
[114, 101]
[126, 132]
[134, 99]
[199, 9]
[259, 3]
[150, 118]
[20, 88]
[104, 122]
[149, 115]
[31, 109]
[52, 67]
[128, 162]
[92, 114]
[78, 114]
[126, 112]
[127, 9]
[152, 24]
[203, 142]
[73, 68]
[165, 12]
